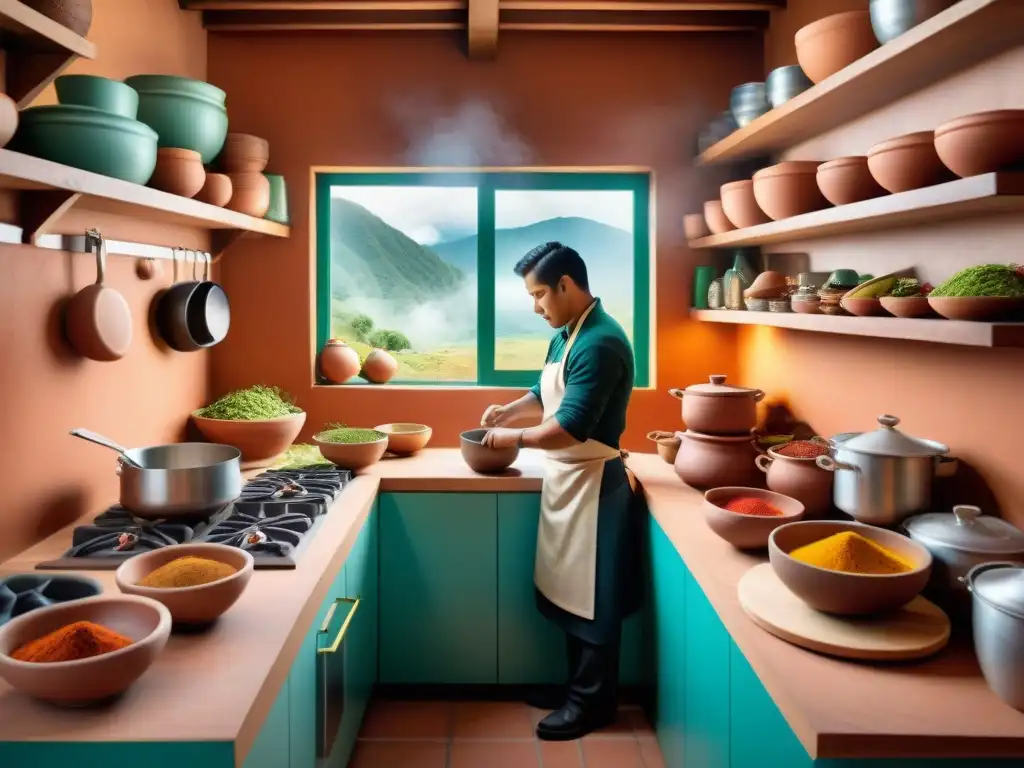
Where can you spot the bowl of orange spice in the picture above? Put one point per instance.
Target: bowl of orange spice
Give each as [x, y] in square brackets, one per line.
[84, 651]
[746, 517]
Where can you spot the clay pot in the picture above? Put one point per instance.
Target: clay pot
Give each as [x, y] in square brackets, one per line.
[788, 189]
[244, 153]
[981, 143]
[379, 367]
[712, 461]
[339, 362]
[847, 180]
[907, 306]
[178, 171]
[828, 45]
[405, 439]
[76, 15]
[694, 226]
[799, 478]
[717, 408]
[767, 285]
[260, 441]
[748, 531]
[862, 306]
[216, 190]
[667, 444]
[739, 205]
[8, 118]
[250, 194]
[907, 162]
[716, 219]
[352, 456]
[982, 309]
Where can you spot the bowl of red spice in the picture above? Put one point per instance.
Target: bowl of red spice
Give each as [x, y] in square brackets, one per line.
[746, 517]
[85, 651]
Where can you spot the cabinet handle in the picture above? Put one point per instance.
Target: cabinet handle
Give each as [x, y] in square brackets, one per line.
[340, 637]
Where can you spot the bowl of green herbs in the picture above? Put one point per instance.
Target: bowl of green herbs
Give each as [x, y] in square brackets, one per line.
[983, 293]
[351, 447]
[261, 422]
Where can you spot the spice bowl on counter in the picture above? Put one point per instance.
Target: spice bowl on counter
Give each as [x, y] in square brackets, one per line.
[85, 651]
[196, 582]
[717, 408]
[351, 448]
[667, 444]
[790, 469]
[405, 439]
[848, 568]
[746, 517]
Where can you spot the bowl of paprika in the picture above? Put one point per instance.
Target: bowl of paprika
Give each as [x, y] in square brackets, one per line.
[746, 517]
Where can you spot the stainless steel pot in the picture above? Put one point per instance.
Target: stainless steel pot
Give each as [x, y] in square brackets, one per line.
[783, 83]
[891, 18]
[997, 595]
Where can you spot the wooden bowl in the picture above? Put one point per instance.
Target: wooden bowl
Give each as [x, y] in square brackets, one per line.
[828, 45]
[908, 306]
[716, 219]
[216, 191]
[847, 180]
[847, 593]
[862, 306]
[244, 153]
[748, 531]
[907, 162]
[694, 226]
[354, 456]
[405, 439]
[739, 205]
[86, 681]
[981, 143]
[250, 194]
[260, 441]
[178, 171]
[667, 445]
[482, 459]
[188, 605]
[788, 189]
[984, 309]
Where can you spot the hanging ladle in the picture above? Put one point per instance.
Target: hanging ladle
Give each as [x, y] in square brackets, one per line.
[106, 442]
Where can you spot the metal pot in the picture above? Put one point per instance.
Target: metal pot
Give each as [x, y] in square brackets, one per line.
[195, 314]
[891, 18]
[719, 409]
[884, 476]
[997, 595]
[783, 83]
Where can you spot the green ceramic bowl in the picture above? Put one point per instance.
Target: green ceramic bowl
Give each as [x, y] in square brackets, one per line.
[90, 139]
[186, 114]
[278, 210]
[181, 85]
[111, 96]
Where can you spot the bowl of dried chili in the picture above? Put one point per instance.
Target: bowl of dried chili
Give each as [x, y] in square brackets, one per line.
[84, 651]
[746, 517]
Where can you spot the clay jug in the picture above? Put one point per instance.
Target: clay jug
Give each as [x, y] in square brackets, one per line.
[338, 362]
[380, 367]
[798, 478]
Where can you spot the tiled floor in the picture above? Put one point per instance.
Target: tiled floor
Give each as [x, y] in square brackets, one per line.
[493, 735]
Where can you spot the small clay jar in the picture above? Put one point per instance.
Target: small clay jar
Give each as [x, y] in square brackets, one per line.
[667, 444]
[798, 478]
[250, 194]
[244, 153]
[711, 461]
[178, 171]
[338, 362]
[717, 408]
[216, 191]
[379, 367]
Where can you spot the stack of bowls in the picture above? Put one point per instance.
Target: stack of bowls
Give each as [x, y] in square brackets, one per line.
[243, 159]
[784, 83]
[186, 114]
[748, 102]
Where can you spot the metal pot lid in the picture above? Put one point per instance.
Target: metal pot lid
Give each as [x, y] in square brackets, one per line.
[1001, 585]
[718, 388]
[889, 441]
[966, 529]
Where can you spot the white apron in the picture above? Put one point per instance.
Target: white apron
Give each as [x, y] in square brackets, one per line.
[565, 570]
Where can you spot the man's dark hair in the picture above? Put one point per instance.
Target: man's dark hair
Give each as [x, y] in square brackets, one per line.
[552, 261]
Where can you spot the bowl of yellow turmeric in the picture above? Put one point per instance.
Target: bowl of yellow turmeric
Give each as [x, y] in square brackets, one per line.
[196, 582]
[848, 568]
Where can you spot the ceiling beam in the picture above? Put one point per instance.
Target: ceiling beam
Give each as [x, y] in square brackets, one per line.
[482, 29]
[728, 6]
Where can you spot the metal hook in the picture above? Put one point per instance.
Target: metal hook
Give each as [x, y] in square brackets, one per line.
[94, 240]
[206, 267]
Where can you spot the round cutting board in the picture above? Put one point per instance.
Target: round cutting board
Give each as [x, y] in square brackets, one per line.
[917, 630]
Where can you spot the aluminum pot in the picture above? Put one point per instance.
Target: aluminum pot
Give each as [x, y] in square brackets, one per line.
[891, 18]
[717, 408]
[997, 597]
[713, 461]
[884, 476]
[783, 83]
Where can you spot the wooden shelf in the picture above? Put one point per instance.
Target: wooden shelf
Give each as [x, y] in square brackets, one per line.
[963, 35]
[48, 190]
[990, 193]
[937, 331]
[37, 50]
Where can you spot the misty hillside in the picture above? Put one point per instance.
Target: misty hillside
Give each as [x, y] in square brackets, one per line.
[370, 258]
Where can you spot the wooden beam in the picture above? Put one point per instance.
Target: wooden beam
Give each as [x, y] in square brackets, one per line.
[41, 209]
[403, 5]
[482, 29]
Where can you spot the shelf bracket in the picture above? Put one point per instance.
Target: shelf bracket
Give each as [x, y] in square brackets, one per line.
[482, 30]
[41, 210]
[29, 72]
[221, 240]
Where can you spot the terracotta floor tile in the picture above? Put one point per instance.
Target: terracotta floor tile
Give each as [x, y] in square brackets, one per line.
[493, 720]
[651, 752]
[560, 754]
[400, 754]
[408, 720]
[612, 753]
[637, 720]
[494, 754]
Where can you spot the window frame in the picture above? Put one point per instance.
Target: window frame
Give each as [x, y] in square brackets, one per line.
[488, 182]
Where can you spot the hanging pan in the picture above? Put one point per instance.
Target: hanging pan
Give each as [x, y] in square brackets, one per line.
[194, 314]
[97, 320]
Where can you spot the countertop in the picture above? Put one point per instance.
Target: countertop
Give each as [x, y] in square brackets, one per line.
[940, 707]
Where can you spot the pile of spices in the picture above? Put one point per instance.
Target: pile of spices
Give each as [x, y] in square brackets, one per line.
[349, 435]
[749, 505]
[851, 553]
[802, 449]
[81, 640]
[302, 456]
[909, 286]
[985, 280]
[250, 404]
[187, 571]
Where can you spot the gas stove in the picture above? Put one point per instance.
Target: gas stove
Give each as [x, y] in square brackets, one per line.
[274, 518]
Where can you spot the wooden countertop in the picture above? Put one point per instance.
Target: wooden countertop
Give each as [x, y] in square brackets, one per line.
[940, 707]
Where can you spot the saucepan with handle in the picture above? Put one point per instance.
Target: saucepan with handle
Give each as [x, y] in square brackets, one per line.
[194, 314]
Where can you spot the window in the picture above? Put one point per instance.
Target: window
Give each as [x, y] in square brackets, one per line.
[421, 264]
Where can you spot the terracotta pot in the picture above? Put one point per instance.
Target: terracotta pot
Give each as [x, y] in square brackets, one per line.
[712, 461]
[828, 45]
[716, 219]
[9, 119]
[767, 285]
[983, 309]
[216, 190]
[907, 162]
[482, 459]
[667, 444]
[352, 456]
[379, 367]
[847, 180]
[694, 226]
[76, 15]
[789, 189]
[739, 205]
[260, 441]
[339, 362]
[907, 306]
[748, 531]
[178, 171]
[717, 408]
[244, 153]
[981, 143]
[405, 439]
[866, 306]
[250, 194]
[801, 479]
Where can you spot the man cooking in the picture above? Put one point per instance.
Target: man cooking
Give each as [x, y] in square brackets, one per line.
[587, 569]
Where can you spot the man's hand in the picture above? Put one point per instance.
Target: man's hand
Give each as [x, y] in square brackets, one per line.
[502, 438]
[496, 416]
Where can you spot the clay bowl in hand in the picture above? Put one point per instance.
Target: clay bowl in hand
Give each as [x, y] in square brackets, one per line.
[789, 189]
[866, 306]
[667, 444]
[95, 679]
[694, 226]
[844, 593]
[748, 531]
[716, 219]
[198, 605]
[828, 45]
[405, 439]
[982, 143]
[178, 171]
[739, 205]
[482, 459]
[847, 180]
[261, 441]
[907, 162]
[982, 309]
[909, 307]
[354, 456]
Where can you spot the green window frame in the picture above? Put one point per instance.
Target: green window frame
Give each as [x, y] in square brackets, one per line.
[488, 183]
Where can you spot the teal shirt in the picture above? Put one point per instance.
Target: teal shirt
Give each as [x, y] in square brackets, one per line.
[599, 376]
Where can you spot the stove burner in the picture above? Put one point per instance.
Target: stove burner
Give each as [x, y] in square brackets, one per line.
[126, 541]
[118, 532]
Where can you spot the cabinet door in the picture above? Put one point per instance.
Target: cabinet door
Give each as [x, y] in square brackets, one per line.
[668, 618]
[706, 661]
[273, 745]
[439, 588]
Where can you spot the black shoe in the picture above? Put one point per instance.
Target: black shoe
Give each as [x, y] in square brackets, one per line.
[547, 697]
[571, 722]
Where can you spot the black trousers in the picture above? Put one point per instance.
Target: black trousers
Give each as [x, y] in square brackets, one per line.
[593, 674]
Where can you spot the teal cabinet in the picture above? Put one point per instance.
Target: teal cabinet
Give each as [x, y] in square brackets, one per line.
[706, 662]
[438, 588]
[272, 747]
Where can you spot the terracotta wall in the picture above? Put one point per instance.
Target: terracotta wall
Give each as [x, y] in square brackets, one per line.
[50, 478]
[569, 100]
[967, 398]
